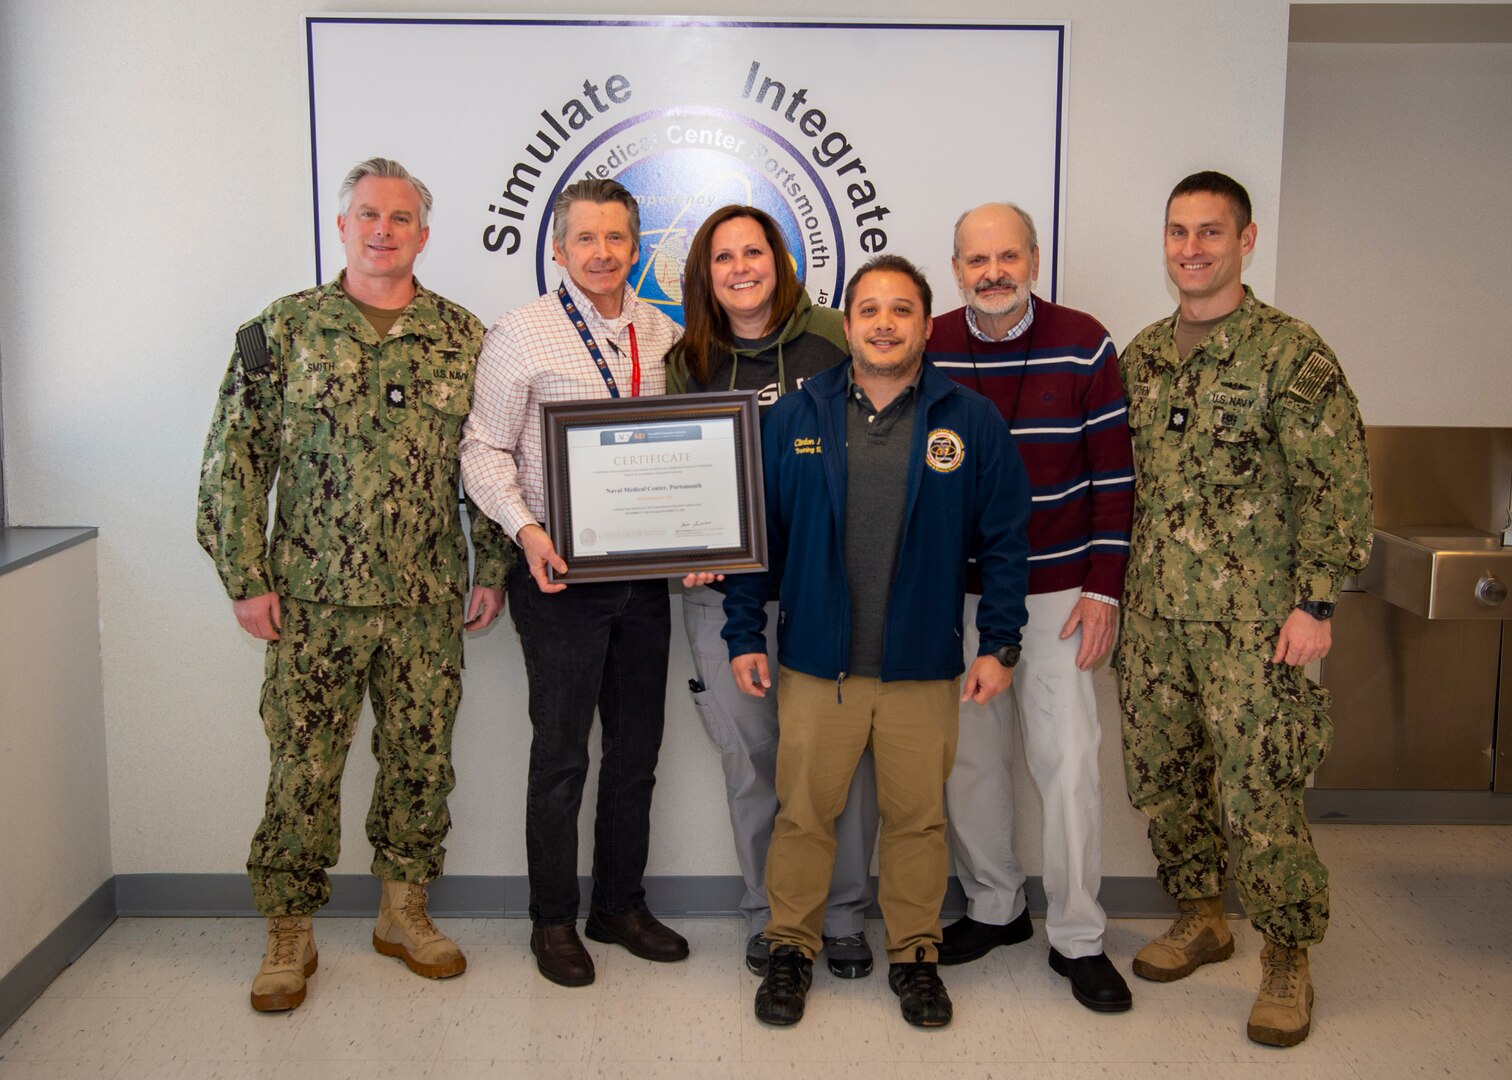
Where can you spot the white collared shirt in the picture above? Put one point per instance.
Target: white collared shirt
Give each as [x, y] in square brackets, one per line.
[534, 354]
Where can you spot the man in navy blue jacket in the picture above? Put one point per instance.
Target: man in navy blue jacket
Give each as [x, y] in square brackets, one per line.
[882, 478]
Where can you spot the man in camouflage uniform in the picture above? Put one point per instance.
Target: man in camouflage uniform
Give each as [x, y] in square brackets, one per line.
[352, 395]
[1252, 503]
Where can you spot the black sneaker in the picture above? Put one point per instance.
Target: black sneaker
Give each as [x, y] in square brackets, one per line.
[758, 953]
[781, 996]
[848, 957]
[920, 992]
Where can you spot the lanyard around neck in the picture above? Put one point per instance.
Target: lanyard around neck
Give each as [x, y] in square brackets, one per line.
[593, 350]
[1018, 390]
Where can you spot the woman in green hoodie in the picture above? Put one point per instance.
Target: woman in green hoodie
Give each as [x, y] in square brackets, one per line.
[749, 325]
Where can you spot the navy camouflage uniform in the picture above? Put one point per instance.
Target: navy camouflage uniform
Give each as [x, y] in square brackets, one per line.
[369, 559]
[1252, 494]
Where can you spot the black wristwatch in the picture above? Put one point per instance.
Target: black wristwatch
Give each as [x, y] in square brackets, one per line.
[1318, 609]
[1008, 655]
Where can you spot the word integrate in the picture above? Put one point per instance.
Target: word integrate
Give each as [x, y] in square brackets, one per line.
[827, 152]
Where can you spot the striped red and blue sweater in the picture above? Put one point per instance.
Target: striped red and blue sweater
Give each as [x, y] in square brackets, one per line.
[1057, 385]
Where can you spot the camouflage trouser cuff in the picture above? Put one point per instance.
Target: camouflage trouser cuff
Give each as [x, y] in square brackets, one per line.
[1300, 924]
[277, 892]
[412, 871]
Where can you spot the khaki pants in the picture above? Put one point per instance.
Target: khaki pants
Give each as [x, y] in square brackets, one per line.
[911, 728]
[745, 730]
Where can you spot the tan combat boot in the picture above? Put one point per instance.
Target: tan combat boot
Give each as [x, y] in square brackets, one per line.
[289, 961]
[406, 931]
[1282, 1014]
[1200, 935]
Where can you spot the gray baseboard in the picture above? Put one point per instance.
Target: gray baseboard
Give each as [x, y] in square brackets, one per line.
[24, 983]
[452, 895]
[480, 896]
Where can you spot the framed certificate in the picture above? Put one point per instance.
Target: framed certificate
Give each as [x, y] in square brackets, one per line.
[655, 487]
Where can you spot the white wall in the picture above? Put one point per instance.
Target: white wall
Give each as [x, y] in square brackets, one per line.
[1398, 213]
[156, 171]
[56, 840]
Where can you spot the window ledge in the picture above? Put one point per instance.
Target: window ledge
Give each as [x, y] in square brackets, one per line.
[20, 546]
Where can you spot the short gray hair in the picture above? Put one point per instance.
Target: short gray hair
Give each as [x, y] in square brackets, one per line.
[955, 241]
[593, 190]
[386, 168]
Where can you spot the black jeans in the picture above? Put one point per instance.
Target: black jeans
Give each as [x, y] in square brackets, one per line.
[593, 645]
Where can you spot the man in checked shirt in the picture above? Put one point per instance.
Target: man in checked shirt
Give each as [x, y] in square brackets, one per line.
[592, 645]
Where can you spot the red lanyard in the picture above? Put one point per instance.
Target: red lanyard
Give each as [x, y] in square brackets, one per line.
[634, 364]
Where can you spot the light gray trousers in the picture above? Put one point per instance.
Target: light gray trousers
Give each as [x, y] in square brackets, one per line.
[1055, 716]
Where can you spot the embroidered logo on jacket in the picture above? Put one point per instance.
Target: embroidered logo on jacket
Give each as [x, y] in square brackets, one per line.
[944, 451]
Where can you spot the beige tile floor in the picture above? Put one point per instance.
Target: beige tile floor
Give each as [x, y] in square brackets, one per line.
[1415, 979]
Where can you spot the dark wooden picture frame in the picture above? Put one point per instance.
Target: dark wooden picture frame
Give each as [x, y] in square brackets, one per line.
[558, 418]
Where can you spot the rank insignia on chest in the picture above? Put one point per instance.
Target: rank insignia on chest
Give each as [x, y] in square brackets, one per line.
[1180, 415]
[393, 393]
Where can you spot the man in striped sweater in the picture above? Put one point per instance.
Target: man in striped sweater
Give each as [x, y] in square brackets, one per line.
[1053, 372]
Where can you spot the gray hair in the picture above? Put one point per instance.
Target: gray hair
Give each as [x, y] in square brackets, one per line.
[1015, 207]
[386, 168]
[593, 191]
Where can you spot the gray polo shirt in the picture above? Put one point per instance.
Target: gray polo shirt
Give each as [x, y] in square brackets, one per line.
[877, 446]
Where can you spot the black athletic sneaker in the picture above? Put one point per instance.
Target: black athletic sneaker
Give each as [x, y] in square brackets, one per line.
[782, 994]
[920, 992]
[758, 954]
[848, 957]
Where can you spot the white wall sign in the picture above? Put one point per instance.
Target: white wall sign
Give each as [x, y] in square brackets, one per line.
[858, 138]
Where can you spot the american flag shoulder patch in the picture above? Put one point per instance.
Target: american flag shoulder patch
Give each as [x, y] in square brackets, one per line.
[1311, 377]
[252, 343]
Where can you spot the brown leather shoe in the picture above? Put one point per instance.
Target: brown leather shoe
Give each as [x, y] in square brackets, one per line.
[640, 932]
[560, 955]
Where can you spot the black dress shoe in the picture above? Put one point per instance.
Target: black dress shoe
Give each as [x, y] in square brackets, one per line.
[640, 932]
[784, 991]
[966, 939]
[560, 955]
[921, 994]
[1095, 982]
